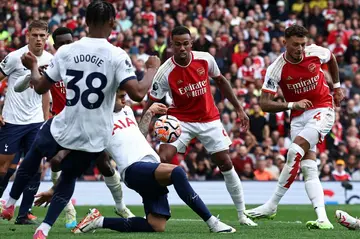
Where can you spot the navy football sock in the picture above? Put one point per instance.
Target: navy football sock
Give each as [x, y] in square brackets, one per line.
[133, 224]
[4, 180]
[29, 195]
[62, 195]
[187, 193]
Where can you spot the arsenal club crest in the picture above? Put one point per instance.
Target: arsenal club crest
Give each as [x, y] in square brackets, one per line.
[312, 67]
[200, 71]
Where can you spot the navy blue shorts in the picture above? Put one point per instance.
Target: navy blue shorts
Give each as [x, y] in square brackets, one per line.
[75, 163]
[14, 137]
[140, 177]
[17, 158]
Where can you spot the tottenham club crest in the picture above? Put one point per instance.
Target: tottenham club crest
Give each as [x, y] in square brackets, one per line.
[312, 67]
[128, 63]
[3, 63]
[270, 84]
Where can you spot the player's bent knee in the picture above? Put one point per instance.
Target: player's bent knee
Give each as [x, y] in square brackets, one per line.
[167, 153]
[163, 173]
[309, 138]
[309, 169]
[222, 160]
[157, 222]
[293, 151]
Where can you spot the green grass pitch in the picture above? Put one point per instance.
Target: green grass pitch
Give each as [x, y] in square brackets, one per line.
[289, 223]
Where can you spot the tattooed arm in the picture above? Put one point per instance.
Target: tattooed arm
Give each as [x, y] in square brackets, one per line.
[155, 108]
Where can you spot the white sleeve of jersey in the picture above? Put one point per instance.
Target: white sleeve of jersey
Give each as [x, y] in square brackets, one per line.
[124, 69]
[213, 67]
[322, 53]
[160, 85]
[22, 83]
[52, 72]
[272, 77]
[8, 64]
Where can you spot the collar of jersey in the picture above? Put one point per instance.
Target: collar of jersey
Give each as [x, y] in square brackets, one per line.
[284, 56]
[192, 58]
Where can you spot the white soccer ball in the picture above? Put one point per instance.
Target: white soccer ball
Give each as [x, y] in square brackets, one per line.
[167, 129]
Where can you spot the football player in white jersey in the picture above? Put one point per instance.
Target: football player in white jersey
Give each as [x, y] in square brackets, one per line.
[92, 70]
[23, 114]
[63, 36]
[141, 170]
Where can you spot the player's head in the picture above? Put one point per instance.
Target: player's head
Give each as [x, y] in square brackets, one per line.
[295, 41]
[100, 15]
[37, 34]
[181, 43]
[120, 100]
[62, 36]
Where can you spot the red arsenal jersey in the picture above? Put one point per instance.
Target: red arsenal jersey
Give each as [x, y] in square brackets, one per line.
[304, 80]
[189, 87]
[58, 93]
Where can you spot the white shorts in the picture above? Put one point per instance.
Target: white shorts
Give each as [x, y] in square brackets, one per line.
[211, 134]
[321, 119]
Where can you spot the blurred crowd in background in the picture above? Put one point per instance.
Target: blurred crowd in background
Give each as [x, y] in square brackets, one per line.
[245, 37]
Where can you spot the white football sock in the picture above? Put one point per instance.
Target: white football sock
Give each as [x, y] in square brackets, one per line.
[234, 187]
[55, 176]
[211, 221]
[44, 227]
[69, 208]
[100, 222]
[114, 185]
[10, 202]
[287, 175]
[314, 188]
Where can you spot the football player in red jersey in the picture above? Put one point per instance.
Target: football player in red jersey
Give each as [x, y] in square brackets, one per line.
[185, 76]
[299, 75]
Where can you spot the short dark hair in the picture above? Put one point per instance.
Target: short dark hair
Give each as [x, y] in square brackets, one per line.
[180, 30]
[40, 24]
[296, 30]
[99, 12]
[61, 31]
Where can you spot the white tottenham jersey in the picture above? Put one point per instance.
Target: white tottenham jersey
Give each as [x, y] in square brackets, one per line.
[128, 145]
[92, 70]
[25, 107]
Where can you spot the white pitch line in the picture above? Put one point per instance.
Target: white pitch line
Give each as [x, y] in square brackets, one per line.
[199, 220]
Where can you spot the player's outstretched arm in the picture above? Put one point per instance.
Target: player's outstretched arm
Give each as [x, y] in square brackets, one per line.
[138, 89]
[155, 109]
[225, 88]
[334, 72]
[40, 83]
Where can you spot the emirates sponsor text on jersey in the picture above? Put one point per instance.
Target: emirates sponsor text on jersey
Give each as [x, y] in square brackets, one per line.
[193, 90]
[304, 85]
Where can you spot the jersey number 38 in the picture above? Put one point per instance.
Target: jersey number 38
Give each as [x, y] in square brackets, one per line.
[91, 89]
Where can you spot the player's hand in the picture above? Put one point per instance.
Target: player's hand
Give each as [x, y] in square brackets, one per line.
[302, 104]
[29, 60]
[338, 96]
[43, 197]
[55, 162]
[2, 121]
[244, 119]
[153, 62]
[158, 109]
